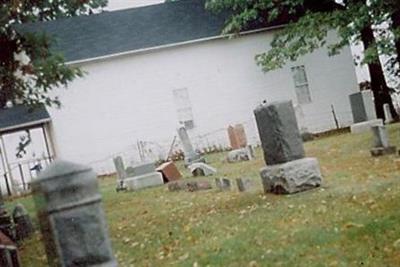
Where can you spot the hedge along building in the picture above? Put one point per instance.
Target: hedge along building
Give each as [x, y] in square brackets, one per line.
[151, 67]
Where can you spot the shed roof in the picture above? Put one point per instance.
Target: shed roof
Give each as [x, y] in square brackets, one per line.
[21, 117]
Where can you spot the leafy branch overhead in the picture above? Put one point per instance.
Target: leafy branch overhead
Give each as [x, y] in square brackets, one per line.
[309, 23]
[29, 69]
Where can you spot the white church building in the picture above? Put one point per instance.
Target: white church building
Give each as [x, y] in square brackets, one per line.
[150, 68]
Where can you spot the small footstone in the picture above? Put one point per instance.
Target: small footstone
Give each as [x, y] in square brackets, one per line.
[244, 184]
[291, 177]
[225, 184]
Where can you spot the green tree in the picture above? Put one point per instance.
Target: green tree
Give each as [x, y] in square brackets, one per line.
[29, 69]
[309, 24]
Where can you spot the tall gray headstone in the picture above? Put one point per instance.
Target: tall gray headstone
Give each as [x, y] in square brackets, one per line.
[388, 114]
[71, 216]
[381, 144]
[362, 106]
[287, 170]
[190, 155]
[280, 136]
[119, 167]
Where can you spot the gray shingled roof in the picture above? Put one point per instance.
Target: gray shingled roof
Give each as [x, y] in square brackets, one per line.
[20, 117]
[114, 32]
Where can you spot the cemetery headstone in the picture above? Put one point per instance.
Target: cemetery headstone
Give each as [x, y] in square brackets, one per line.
[363, 110]
[169, 171]
[190, 155]
[23, 223]
[6, 222]
[121, 173]
[242, 154]
[362, 106]
[8, 252]
[201, 169]
[225, 184]
[244, 185]
[381, 142]
[237, 136]
[287, 170]
[71, 217]
[388, 114]
[142, 176]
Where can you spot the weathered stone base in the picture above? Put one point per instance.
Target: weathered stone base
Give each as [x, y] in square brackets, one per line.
[381, 151]
[144, 181]
[291, 177]
[365, 126]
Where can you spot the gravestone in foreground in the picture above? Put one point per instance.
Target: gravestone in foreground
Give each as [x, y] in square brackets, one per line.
[71, 216]
[363, 110]
[381, 142]
[287, 170]
[190, 155]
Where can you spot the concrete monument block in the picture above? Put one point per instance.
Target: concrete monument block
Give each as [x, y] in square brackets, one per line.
[381, 142]
[140, 169]
[71, 217]
[365, 126]
[190, 155]
[242, 154]
[169, 171]
[23, 223]
[280, 136]
[144, 181]
[287, 170]
[362, 106]
[291, 177]
[201, 169]
[388, 114]
[244, 185]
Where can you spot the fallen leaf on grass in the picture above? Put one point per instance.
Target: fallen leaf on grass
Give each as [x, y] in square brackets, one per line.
[351, 225]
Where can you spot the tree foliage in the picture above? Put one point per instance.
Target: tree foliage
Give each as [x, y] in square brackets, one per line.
[29, 69]
[309, 22]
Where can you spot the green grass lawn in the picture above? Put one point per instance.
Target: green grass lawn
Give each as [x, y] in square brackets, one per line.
[352, 220]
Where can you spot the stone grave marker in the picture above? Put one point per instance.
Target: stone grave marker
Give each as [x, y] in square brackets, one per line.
[142, 176]
[242, 154]
[244, 185]
[381, 142]
[169, 171]
[121, 173]
[218, 183]
[363, 110]
[190, 186]
[201, 169]
[388, 114]
[287, 170]
[23, 223]
[190, 155]
[237, 136]
[71, 216]
[225, 184]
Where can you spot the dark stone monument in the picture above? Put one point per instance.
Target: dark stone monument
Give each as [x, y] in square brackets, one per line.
[381, 142]
[71, 217]
[362, 106]
[6, 222]
[23, 223]
[287, 170]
